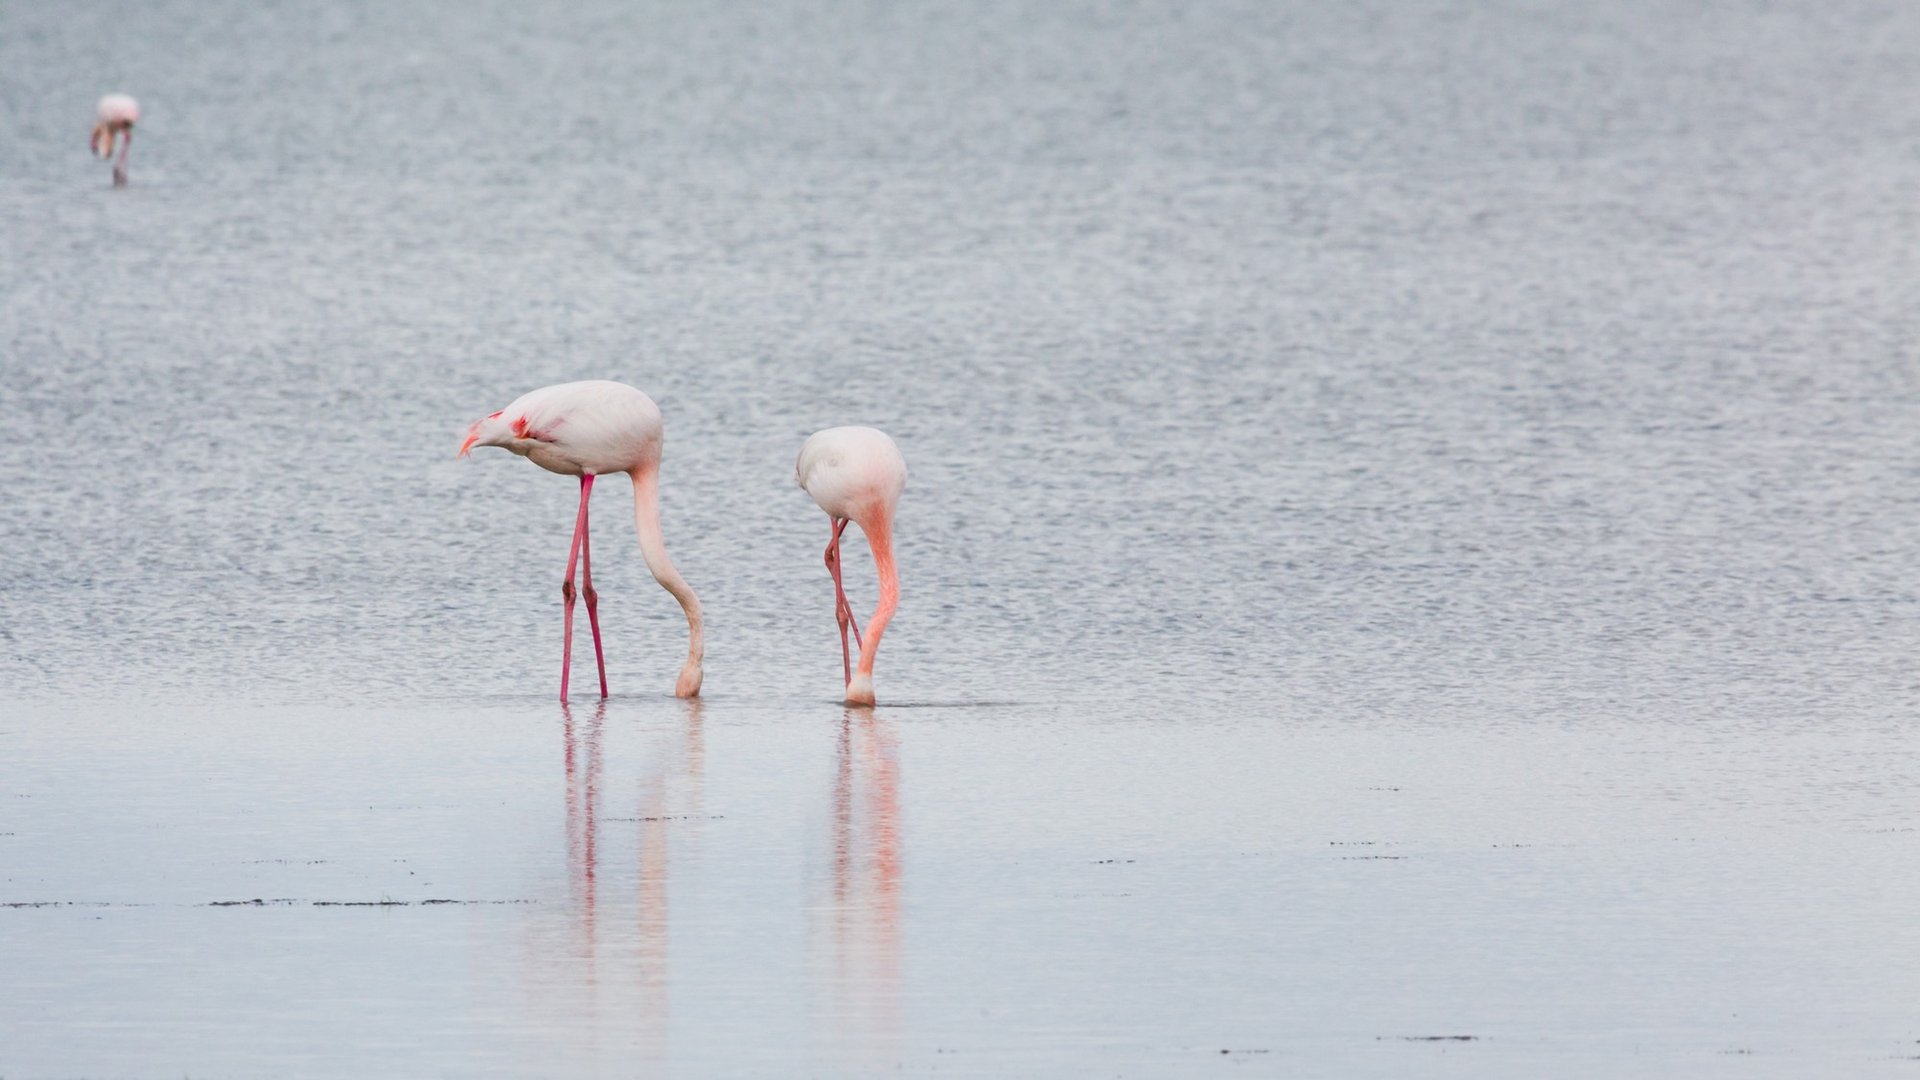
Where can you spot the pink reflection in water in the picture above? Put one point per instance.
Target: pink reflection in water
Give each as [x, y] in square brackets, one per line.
[598, 963]
[865, 976]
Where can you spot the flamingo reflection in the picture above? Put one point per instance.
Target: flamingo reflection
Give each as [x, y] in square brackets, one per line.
[599, 965]
[583, 758]
[602, 970]
[672, 797]
[865, 904]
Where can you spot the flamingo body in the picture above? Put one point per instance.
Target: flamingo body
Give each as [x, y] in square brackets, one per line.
[857, 474]
[118, 109]
[589, 429]
[576, 428]
[851, 471]
[114, 118]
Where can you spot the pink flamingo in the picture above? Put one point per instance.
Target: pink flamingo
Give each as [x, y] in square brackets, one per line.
[856, 474]
[585, 429]
[116, 114]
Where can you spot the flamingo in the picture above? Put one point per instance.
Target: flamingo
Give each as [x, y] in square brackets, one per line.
[585, 429]
[116, 114]
[856, 474]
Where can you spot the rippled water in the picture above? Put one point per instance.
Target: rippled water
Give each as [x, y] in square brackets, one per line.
[1412, 533]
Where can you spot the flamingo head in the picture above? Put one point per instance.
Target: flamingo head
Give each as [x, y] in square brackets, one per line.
[860, 690]
[488, 431]
[688, 685]
[108, 135]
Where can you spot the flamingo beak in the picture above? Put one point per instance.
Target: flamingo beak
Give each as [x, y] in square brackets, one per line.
[468, 445]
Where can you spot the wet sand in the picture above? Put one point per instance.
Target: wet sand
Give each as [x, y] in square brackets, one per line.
[1067, 888]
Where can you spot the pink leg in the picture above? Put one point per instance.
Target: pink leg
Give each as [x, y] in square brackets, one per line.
[846, 605]
[120, 166]
[566, 587]
[842, 611]
[593, 598]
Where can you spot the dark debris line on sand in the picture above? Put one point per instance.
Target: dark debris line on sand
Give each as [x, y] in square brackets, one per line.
[67, 903]
[363, 903]
[260, 902]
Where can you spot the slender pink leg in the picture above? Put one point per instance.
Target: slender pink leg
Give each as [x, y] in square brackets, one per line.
[586, 587]
[120, 166]
[846, 605]
[566, 587]
[842, 611]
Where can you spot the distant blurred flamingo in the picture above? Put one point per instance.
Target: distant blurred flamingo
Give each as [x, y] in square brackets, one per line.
[116, 115]
[857, 474]
[585, 429]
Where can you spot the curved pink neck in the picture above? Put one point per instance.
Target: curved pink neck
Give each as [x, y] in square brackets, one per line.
[879, 532]
[653, 548]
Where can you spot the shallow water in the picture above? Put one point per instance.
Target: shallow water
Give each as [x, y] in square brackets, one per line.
[1412, 533]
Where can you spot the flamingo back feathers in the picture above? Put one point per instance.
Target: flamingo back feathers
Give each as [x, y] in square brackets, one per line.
[851, 472]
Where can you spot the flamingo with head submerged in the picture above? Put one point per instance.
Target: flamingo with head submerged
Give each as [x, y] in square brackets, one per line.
[588, 429]
[115, 116]
[857, 474]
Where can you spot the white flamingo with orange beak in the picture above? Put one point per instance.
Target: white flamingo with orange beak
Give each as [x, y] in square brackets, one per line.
[116, 114]
[588, 429]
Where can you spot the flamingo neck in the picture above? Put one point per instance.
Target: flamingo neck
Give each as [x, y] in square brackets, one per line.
[653, 548]
[879, 532]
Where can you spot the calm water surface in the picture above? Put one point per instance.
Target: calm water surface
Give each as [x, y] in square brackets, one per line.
[1409, 568]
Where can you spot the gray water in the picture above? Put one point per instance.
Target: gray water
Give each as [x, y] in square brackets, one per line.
[1409, 566]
